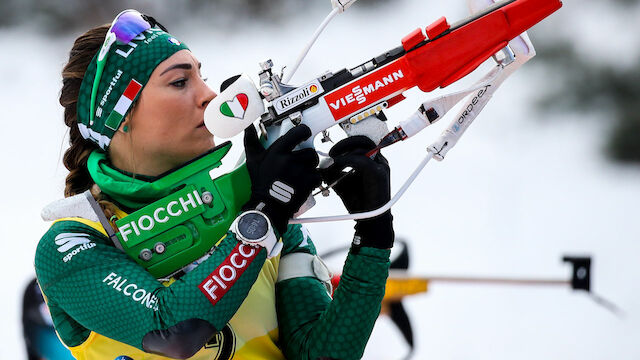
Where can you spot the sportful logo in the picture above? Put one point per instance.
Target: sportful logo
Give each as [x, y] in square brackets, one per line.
[297, 97]
[114, 81]
[281, 191]
[226, 274]
[67, 241]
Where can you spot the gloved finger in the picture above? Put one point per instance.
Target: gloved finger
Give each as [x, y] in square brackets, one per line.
[291, 139]
[308, 156]
[345, 184]
[332, 172]
[336, 170]
[315, 179]
[380, 159]
[252, 145]
[329, 175]
[312, 180]
[353, 143]
[362, 165]
[340, 176]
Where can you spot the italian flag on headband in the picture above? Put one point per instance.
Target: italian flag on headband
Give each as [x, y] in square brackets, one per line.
[123, 105]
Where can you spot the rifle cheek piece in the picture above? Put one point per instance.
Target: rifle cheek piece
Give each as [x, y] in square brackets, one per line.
[177, 230]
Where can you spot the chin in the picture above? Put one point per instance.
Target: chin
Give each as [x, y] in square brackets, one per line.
[203, 146]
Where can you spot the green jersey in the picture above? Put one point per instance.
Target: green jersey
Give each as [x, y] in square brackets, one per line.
[104, 305]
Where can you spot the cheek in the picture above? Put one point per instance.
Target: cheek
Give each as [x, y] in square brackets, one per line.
[163, 115]
[166, 125]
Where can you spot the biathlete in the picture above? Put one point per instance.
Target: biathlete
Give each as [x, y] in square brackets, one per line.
[134, 100]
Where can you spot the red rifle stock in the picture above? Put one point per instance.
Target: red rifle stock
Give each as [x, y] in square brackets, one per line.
[449, 54]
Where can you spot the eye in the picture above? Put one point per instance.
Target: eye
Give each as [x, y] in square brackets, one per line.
[180, 83]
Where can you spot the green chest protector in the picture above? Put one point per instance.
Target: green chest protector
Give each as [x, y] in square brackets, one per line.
[192, 214]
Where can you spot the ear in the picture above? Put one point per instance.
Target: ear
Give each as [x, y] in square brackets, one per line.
[125, 126]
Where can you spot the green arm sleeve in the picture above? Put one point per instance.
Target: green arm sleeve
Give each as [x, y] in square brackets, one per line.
[92, 286]
[312, 325]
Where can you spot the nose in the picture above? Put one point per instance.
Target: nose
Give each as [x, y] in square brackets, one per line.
[206, 95]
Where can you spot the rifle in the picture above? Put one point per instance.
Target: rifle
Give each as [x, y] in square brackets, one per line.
[353, 98]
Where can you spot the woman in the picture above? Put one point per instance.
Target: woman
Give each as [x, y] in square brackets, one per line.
[134, 102]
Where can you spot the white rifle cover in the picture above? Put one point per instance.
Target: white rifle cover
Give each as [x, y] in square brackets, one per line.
[234, 109]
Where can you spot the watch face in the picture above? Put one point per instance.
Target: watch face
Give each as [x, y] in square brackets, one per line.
[253, 226]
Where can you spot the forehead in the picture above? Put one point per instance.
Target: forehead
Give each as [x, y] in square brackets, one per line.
[181, 57]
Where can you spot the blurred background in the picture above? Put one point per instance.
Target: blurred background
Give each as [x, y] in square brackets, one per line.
[550, 168]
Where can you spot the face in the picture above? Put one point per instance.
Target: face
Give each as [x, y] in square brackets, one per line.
[166, 127]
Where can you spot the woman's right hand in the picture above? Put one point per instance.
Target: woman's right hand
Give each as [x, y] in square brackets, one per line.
[281, 179]
[366, 188]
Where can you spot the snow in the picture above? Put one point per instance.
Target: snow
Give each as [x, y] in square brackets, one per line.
[514, 196]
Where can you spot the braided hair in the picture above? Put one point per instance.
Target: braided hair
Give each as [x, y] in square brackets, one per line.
[75, 157]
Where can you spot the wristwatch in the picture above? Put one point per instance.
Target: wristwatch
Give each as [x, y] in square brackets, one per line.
[254, 228]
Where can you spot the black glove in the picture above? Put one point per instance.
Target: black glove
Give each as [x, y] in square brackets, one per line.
[366, 189]
[281, 179]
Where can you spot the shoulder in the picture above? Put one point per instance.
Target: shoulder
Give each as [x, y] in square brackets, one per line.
[297, 239]
[65, 232]
[64, 242]
[75, 227]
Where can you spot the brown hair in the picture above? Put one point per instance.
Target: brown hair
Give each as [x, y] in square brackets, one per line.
[75, 157]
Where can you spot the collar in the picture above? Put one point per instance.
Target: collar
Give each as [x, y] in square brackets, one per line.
[133, 191]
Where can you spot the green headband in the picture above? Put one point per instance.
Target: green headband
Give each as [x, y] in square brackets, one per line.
[125, 74]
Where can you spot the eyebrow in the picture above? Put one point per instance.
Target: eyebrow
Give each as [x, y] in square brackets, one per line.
[185, 66]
